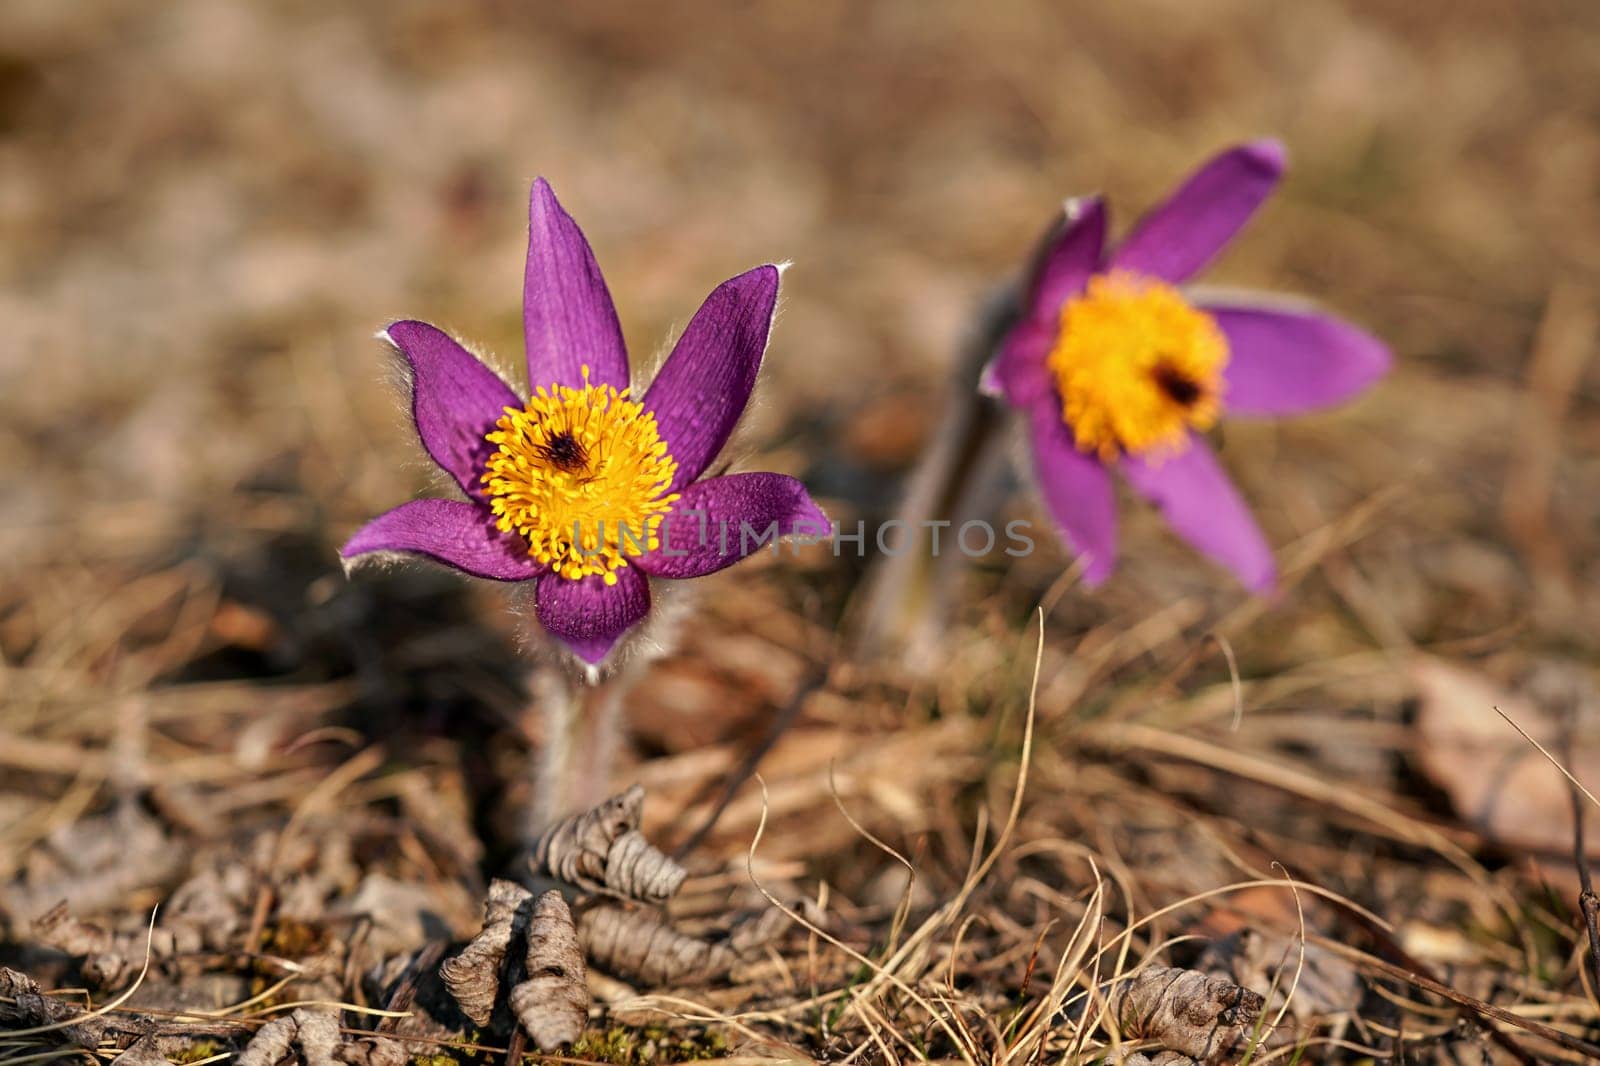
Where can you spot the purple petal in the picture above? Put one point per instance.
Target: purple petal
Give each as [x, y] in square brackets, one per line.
[1201, 504]
[1077, 490]
[588, 615]
[1061, 270]
[1072, 256]
[1176, 239]
[1281, 362]
[719, 521]
[567, 313]
[457, 534]
[1018, 373]
[706, 381]
[455, 400]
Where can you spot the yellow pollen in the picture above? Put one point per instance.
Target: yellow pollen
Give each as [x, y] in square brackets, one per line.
[582, 475]
[1136, 367]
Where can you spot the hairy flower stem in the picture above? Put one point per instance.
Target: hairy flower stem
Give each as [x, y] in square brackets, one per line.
[582, 733]
[907, 599]
[595, 754]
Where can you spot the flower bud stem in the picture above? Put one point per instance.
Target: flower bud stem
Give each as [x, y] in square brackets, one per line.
[905, 606]
[582, 729]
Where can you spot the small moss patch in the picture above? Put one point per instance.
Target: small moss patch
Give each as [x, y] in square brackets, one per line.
[651, 1046]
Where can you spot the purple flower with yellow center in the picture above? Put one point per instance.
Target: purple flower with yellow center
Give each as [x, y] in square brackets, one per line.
[583, 490]
[1114, 367]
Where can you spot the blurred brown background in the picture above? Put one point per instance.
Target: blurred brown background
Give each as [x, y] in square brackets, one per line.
[208, 207]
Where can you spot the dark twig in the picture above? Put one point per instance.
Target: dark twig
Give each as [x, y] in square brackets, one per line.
[1461, 999]
[1588, 901]
[514, 1052]
[1410, 966]
[735, 780]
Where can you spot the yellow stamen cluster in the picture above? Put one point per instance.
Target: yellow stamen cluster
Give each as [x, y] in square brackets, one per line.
[583, 475]
[1136, 366]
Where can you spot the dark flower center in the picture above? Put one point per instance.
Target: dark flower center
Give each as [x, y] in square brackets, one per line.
[1180, 389]
[563, 452]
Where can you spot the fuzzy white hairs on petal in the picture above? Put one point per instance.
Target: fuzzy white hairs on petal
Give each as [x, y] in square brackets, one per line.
[1073, 206]
[380, 560]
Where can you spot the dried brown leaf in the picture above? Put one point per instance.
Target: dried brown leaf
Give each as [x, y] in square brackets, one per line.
[1326, 985]
[57, 928]
[401, 916]
[208, 910]
[639, 945]
[635, 869]
[1185, 1011]
[1495, 778]
[314, 1032]
[1159, 1058]
[23, 1006]
[106, 959]
[550, 996]
[575, 848]
[473, 976]
[96, 862]
[204, 913]
[602, 851]
[553, 1002]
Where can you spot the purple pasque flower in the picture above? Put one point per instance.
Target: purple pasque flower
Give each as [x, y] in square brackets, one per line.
[1114, 368]
[581, 489]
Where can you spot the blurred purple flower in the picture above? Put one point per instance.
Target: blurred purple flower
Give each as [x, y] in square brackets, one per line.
[1114, 368]
[582, 490]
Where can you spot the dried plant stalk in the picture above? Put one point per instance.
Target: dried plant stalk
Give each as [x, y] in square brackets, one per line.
[373, 1051]
[473, 976]
[553, 1003]
[601, 850]
[412, 987]
[1185, 1011]
[145, 1051]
